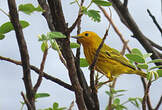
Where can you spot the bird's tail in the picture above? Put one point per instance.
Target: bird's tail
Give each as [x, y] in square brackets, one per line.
[141, 73]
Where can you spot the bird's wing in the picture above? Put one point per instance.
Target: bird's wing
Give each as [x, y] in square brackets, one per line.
[115, 55]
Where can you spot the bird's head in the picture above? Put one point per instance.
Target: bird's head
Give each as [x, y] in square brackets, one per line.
[88, 38]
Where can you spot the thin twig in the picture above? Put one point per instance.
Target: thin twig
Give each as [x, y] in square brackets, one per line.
[38, 83]
[75, 23]
[4, 12]
[112, 86]
[92, 67]
[155, 45]
[124, 47]
[114, 26]
[145, 97]
[47, 76]
[78, 20]
[159, 103]
[71, 105]
[78, 32]
[25, 100]
[155, 21]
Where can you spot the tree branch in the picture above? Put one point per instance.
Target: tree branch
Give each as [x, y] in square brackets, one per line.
[125, 3]
[60, 26]
[112, 86]
[154, 21]
[90, 104]
[38, 83]
[92, 69]
[26, 100]
[47, 14]
[145, 98]
[75, 23]
[155, 45]
[159, 103]
[45, 75]
[23, 52]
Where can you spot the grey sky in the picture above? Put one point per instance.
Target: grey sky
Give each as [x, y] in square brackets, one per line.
[11, 83]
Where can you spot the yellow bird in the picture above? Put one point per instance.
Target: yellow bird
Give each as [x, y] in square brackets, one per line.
[110, 62]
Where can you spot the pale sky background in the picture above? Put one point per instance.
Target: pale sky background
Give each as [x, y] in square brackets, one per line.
[11, 83]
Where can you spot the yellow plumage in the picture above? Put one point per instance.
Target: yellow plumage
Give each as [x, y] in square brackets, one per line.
[110, 62]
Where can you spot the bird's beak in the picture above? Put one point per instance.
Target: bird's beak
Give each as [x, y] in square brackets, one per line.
[76, 37]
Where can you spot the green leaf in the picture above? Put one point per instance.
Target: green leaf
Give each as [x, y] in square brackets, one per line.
[134, 101]
[72, 2]
[140, 99]
[29, 8]
[7, 27]
[26, 8]
[44, 46]
[55, 106]
[47, 108]
[62, 108]
[39, 9]
[42, 37]
[109, 93]
[2, 36]
[116, 101]
[22, 102]
[84, 10]
[121, 107]
[147, 55]
[154, 67]
[159, 71]
[149, 76]
[102, 2]
[137, 52]
[54, 45]
[74, 45]
[94, 15]
[155, 61]
[121, 90]
[142, 66]
[135, 58]
[55, 35]
[24, 24]
[83, 62]
[119, 95]
[113, 91]
[41, 95]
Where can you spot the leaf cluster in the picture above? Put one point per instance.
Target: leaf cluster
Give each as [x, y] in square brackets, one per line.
[7, 27]
[29, 8]
[91, 13]
[55, 107]
[136, 56]
[117, 105]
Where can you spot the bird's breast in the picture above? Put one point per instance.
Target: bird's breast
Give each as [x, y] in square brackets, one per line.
[89, 54]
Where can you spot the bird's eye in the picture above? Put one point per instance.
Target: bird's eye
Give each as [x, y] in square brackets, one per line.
[86, 34]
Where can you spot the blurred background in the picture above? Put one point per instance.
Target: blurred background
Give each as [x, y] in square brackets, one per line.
[11, 83]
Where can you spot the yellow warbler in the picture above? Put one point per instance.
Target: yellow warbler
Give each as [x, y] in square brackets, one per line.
[110, 62]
